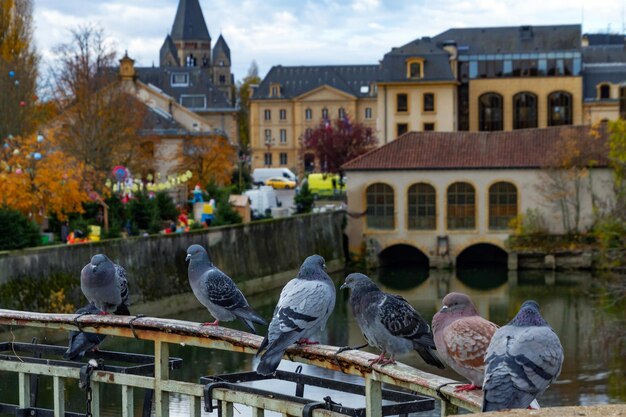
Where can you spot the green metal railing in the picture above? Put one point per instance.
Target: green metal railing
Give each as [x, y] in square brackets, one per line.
[164, 332]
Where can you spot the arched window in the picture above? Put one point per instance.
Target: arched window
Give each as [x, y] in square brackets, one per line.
[524, 111]
[380, 206]
[341, 113]
[559, 109]
[622, 102]
[461, 206]
[604, 91]
[324, 113]
[422, 207]
[490, 112]
[502, 205]
[308, 114]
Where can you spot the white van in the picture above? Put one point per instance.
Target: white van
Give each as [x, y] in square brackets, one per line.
[262, 201]
[260, 175]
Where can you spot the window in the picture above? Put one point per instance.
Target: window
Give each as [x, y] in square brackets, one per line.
[268, 159]
[222, 79]
[622, 102]
[267, 114]
[402, 128]
[268, 136]
[193, 101]
[324, 113]
[429, 127]
[490, 112]
[604, 91]
[341, 113]
[283, 158]
[524, 111]
[282, 114]
[180, 79]
[429, 102]
[283, 135]
[502, 205]
[415, 68]
[368, 113]
[402, 103]
[422, 207]
[461, 206]
[308, 114]
[275, 90]
[380, 206]
[308, 132]
[559, 109]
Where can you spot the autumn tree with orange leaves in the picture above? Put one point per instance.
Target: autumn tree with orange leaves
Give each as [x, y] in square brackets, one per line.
[211, 159]
[39, 180]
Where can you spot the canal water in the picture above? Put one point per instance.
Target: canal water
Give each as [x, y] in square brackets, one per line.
[591, 332]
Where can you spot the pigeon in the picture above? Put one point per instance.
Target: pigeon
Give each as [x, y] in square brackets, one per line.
[523, 359]
[303, 308]
[462, 338]
[81, 342]
[217, 292]
[389, 322]
[104, 284]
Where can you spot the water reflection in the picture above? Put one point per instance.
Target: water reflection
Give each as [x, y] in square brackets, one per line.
[593, 372]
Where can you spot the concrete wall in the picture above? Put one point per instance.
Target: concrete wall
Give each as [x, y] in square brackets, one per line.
[156, 264]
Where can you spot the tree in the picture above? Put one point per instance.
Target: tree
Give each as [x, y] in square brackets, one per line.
[39, 179]
[304, 200]
[567, 173]
[243, 98]
[18, 69]
[100, 121]
[210, 159]
[16, 230]
[337, 143]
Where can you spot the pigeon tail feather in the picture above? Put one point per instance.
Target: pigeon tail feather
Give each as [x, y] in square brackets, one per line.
[274, 353]
[429, 356]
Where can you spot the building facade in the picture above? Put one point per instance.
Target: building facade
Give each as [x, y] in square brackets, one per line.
[442, 193]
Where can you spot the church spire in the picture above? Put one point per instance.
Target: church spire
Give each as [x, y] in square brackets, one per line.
[189, 24]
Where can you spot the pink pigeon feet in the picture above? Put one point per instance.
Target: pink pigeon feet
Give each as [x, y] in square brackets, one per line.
[103, 313]
[382, 361]
[306, 341]
[211, 323]
[466, 387]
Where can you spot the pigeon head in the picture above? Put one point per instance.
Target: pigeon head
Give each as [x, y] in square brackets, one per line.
[311, 267]
[528, 315]
[458, 304]
[100, 263]
[357, 281]
[196, 253]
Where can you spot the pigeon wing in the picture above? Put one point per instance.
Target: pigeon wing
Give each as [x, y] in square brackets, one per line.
[120, 273]
[401, 320]
[466, 341]
[220, 289]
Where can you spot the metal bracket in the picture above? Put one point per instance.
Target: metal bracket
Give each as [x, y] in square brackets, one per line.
[208, 394]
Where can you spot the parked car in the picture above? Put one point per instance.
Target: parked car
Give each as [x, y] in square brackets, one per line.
[261, 175]
[262, 201]
[280, 183]
[325, 185]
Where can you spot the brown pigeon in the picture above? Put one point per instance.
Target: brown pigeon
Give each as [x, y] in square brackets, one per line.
[462, 338]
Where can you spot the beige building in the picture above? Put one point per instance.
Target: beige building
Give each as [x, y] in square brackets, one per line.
[443, 193]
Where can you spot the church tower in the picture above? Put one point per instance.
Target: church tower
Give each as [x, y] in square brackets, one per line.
[189, 43]
[222, 76]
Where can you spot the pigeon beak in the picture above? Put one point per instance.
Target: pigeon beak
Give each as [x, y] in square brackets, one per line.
[443, 308]
[94, 267]
[343, 286]
[188, 257]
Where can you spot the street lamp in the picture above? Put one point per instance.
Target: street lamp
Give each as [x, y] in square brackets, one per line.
[269, 142]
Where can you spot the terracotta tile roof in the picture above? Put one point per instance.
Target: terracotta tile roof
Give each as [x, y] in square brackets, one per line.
[526, 148]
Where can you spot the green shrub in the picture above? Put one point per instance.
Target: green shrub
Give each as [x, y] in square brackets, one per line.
[165, 205]
[16, 230]
[304, 200]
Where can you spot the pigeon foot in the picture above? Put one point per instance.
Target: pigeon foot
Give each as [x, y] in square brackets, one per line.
[382, 361]
[306, 341]
[103, 313]
[345, 348]
[211, 323]
[466, 387]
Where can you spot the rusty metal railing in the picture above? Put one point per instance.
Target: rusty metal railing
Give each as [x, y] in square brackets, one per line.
[164, 332]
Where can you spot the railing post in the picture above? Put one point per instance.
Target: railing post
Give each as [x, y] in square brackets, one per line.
[161, 373]
[373, 397]
[58, 392]
[227, 409]
[24, 382]
[194, 406]
[128, 403]
[448, 409]
[95, 398]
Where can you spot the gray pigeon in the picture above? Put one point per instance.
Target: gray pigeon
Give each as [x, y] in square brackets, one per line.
[104, 284]
[303, 308]
[217, 292]
[389, 322]
[81, 342]
[523, 359]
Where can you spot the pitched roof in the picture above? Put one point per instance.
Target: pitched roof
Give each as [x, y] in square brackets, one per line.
[220, 46]
[526, 148]
[511, 39]
[189, 22]
[168, 47]
[295, 81]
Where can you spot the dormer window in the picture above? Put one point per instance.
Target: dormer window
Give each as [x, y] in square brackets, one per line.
[604, 91]
[180, 79]
[415, 68]
[275, 90]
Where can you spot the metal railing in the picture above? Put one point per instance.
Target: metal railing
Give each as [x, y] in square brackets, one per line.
[164, 332]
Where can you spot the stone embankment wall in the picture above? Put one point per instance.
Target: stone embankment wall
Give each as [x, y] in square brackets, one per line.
[156, 264]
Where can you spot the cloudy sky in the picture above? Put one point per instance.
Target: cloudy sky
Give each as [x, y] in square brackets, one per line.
[309, 32]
